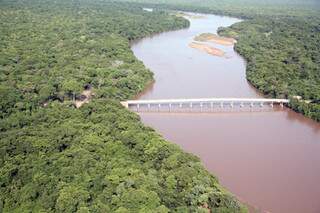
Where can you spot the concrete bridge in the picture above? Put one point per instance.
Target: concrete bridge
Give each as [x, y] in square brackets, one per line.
[203, 103]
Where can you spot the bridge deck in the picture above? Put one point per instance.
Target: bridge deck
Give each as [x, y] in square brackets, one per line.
[207, 100]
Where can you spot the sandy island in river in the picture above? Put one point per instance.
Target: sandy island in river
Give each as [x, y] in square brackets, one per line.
[208, 49]
[209, 37]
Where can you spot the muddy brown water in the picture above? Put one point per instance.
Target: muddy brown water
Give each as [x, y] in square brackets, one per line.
[269, 159]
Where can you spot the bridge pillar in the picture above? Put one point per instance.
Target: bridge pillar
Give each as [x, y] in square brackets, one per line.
[261, 104]
[159, 106]
[241, 105]
[251, 104]
[170, 107]
[221, 104]
[190, 107]
[138, 107]
[231, 104]
[281, 104]
[271, 104]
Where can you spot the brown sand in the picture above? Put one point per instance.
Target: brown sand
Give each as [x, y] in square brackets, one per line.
[209, 37]
[207, 49]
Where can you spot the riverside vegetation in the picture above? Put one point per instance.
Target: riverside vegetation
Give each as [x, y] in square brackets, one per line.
[98, 158]
[280, 40]
[283, 59]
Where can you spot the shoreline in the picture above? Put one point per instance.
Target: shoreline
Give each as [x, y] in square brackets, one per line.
[149, 85]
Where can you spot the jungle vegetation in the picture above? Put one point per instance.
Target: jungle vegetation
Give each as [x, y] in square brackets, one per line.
[97, 158]
[100, 158]
[49, 51]
[280, 39]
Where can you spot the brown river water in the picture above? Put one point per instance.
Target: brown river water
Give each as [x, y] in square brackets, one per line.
[269, 159]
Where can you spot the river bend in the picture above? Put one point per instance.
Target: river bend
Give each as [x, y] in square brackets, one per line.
[270, 159]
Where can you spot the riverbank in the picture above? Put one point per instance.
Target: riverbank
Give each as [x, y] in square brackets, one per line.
[286, 24]
[248, 151]
[100, 156]
[284, 74]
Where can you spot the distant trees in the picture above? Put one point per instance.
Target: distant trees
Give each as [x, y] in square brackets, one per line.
[240, 8]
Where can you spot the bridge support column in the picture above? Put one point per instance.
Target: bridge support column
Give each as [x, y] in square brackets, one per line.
[221, 104]
[138, 107]
[261, 104]
[271, 104]
[231, 104]
[281, 104]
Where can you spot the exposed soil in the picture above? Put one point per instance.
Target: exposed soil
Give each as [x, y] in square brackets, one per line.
[87, 94]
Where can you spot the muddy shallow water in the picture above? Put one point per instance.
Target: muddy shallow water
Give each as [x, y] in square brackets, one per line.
[269, 159]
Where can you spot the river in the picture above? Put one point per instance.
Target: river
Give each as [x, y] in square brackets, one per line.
[269, 159]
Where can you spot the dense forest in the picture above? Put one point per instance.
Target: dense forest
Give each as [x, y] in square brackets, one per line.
[239, 8]
[280, 39]
[100, 158]
[49, 51]
[55, 157]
